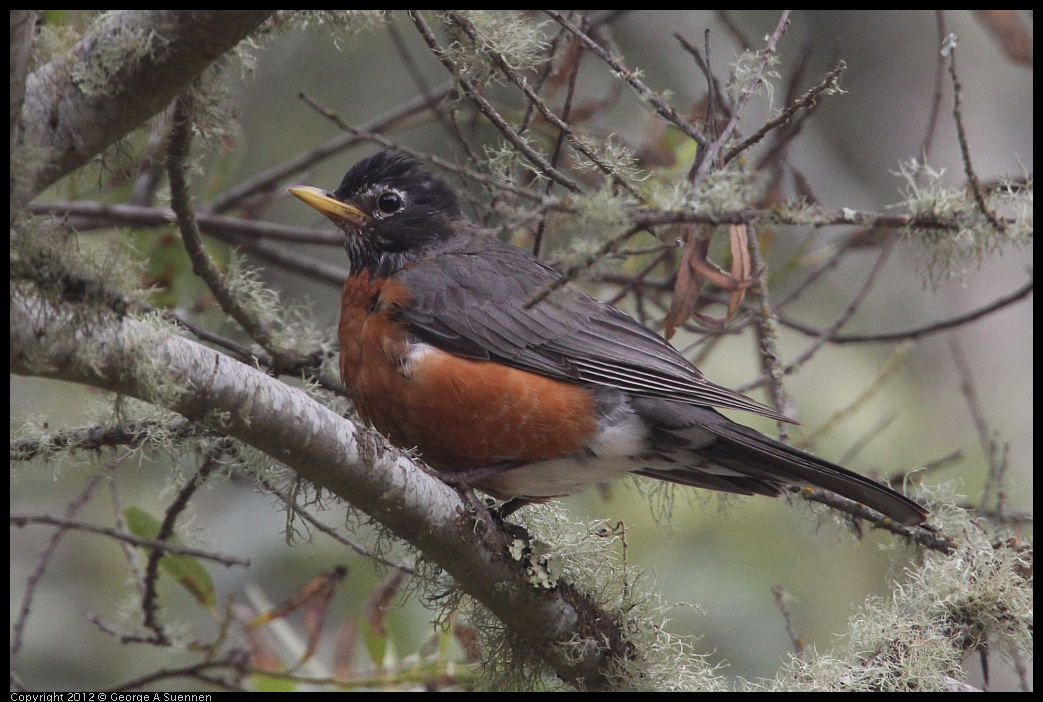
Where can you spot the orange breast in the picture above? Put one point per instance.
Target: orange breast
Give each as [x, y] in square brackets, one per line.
[459, 413]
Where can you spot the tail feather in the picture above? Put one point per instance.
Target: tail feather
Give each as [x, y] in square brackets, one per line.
[734, 458]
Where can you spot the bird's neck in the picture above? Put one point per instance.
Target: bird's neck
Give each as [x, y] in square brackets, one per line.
[378, 265]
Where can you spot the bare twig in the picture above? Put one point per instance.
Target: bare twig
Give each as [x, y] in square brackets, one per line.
[424, 88]
[781, 601]
[827, 334]
[894, 362]
[485, 107]
[936, 96]
[548, 114]
[806, 101]
[706, 158]
[715, 94]
[202, 265]
[925, 330]
[430, 158]
[150, 599]
[566, 115]
[574, 271]
[994, 483]
[87, 216]
[270, 179]
[961, 135]
[662, 109]
[33, 581]
[20, 520]
[291, 503]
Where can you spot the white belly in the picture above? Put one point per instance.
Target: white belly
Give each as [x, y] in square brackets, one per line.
[607, 457]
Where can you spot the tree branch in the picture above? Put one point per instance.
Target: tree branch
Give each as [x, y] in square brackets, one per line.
[84, 101]
[133, 358]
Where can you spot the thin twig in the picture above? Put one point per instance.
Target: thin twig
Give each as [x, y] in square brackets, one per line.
[787, 133]
[768, 337]
[332, 533]
[270, 179]
[87, 216]
[435, 160]
[997, 468]
[894, 362]
[781, 598]
[566, 115]
[20, 520]
[574, 271]
[32, 582]
[202, 265]
[936, 97]
[485, 107]
[536, 101]
[917, 332]
[448, 124]
[705, 159]
[712, 93]
[232, 662]
[872, 278]
[150, 599]
[806, 101]
[741, 39]
[636, 279]
[715, 95]
[869, 433]
[965, 149]
[827, 333]
[662, 109]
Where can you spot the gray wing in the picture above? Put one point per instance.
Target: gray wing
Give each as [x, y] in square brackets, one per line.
[470, 300]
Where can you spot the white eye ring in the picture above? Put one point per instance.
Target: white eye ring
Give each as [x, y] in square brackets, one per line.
[389, 202]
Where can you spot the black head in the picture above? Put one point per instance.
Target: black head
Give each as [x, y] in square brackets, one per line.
[391, 209]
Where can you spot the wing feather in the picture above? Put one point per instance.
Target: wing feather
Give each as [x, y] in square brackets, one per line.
[469, 300]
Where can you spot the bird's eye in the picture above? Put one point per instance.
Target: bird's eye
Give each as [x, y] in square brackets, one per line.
[390, 202]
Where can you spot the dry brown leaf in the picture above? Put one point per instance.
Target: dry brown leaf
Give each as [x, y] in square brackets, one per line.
[379, 601]
[314, 596]
[262, 653]
[1009, 31]
[696, 267]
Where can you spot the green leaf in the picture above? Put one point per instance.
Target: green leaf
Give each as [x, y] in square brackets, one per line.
[376, 644]
[188, 571]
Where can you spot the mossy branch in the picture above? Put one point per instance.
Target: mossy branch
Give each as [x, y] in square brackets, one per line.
[126, 69]
[573, 635]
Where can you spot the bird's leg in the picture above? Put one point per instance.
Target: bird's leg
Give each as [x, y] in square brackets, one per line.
[480, 509]
[513, 505]
[465, 481]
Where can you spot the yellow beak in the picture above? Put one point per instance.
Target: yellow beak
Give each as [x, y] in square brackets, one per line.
[343, 215]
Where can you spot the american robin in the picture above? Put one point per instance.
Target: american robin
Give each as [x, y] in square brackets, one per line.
[440, 353]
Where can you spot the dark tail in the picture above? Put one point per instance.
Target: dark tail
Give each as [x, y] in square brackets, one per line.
[745, 461]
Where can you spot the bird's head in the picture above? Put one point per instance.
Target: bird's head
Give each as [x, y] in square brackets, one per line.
[391, 210]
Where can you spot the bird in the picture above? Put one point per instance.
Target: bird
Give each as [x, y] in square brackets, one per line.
[441, 353]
